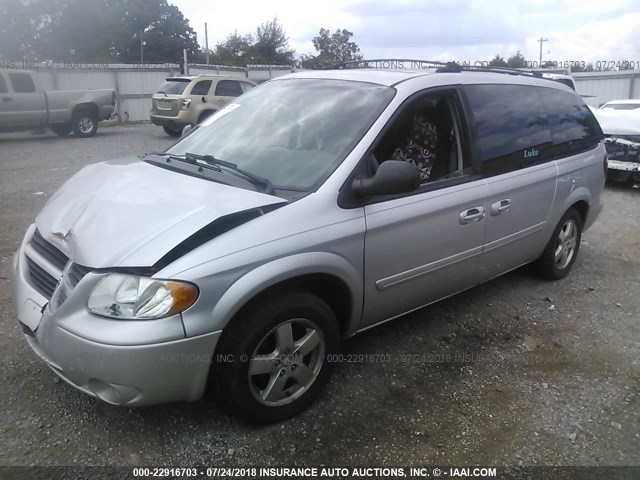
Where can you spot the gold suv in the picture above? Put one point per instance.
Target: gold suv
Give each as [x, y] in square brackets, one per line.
[187, 100]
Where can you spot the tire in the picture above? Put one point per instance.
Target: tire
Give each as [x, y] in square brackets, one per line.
[258, 372]
[84, 123]
[561, 251]
[61, 130]
[171, 132]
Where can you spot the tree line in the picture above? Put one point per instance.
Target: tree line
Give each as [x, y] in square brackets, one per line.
[155, 31]
[131, 31]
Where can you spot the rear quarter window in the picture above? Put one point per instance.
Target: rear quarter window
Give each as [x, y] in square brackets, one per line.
[573, 126]
[509, 126]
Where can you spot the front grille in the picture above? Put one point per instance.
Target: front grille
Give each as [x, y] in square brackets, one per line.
[76, 273]
[48, 251]
[41, 279]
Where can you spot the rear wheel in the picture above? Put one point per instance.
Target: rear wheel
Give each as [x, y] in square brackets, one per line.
[275, 357]
[84, 123]
[562, 250]
[171, 132]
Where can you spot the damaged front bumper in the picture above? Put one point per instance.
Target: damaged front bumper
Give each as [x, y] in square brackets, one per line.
[623, 159]
[122, 362]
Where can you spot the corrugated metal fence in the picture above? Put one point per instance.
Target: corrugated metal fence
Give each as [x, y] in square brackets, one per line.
[603, 87]
[134, 84]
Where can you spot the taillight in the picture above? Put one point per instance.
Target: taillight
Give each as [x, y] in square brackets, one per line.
[605, 164]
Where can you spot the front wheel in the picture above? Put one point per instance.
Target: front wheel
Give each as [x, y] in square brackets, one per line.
[84, 124]
[272, 360]
[561, 251]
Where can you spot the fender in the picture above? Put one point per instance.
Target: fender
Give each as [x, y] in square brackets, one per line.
[580, 194]
[286, 268]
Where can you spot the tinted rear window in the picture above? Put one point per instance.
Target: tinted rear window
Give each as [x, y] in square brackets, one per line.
[573, 126]
[175, 87]
[510, 127]
[3, 85]
[22, 83]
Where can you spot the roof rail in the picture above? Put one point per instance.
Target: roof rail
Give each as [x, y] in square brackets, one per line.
[505, 70]
[440, 67]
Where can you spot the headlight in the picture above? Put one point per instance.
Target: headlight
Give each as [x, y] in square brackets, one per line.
[184, 103]
[132, 297]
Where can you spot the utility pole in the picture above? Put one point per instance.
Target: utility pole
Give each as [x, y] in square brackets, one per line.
[541, 40]
[206, 42]
[141, 48]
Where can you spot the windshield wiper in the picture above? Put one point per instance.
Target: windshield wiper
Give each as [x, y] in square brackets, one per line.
[212, 162]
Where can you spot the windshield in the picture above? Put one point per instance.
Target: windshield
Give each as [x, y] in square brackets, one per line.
[174, 86]
[292, 132]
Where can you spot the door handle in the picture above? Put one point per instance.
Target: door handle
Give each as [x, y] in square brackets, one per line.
[501, 206]
[472, 215]
[7, 99]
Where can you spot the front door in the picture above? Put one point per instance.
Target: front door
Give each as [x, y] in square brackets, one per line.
[5, 102]
[226, 91]
[426, 245]
[24, 102]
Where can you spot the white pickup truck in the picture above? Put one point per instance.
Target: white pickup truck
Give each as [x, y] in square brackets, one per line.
[24, 105]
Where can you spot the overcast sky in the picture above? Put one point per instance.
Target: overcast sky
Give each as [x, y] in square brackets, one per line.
[462, 30]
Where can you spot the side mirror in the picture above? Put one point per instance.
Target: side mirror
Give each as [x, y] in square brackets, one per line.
[204, 99]
[392, 177]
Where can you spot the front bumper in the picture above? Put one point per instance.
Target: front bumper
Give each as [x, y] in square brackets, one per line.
[623, 171]
[101, 357]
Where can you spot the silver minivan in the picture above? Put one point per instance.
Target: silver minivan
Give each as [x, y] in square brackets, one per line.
[313, 207]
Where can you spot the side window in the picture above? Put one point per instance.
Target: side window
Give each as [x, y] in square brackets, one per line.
[510, 127]
[573, 126]
[3, 85]
[246, 86]
[425, 133]
[22, 83]
[201, 88]
[228, 88]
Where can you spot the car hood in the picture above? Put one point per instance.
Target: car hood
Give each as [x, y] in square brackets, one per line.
[128, 213]
[618, 122]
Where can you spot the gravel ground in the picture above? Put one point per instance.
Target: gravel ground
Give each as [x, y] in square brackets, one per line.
[491, 376]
